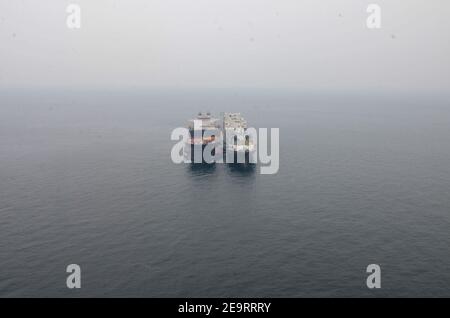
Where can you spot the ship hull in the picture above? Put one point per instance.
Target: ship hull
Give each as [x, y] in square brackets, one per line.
[192, 150]
[240, 157]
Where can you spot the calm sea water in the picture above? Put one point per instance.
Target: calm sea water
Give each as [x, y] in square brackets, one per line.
[86, 178]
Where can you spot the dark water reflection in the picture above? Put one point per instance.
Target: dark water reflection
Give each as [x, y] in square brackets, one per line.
[199, 169]
[241, 169]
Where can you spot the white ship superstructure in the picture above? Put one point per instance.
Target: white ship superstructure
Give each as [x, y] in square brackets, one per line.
[237, 143]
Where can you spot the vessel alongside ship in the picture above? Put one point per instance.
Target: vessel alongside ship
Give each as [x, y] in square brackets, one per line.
[204, 131]
[238, 146]
[226, 140]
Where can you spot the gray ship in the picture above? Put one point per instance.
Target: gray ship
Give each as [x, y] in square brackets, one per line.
[204, 131]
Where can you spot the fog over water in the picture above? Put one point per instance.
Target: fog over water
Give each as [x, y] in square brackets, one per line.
[290, 44]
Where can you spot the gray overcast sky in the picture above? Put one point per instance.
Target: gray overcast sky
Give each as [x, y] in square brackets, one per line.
[278, 44]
